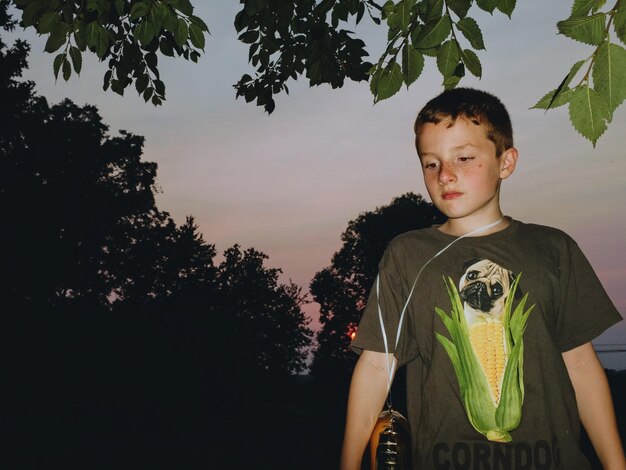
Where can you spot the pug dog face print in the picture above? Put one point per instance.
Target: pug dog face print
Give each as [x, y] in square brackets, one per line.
[484, 288]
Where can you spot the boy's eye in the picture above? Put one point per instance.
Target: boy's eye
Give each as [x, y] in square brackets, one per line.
[430, 166]
[464, 158]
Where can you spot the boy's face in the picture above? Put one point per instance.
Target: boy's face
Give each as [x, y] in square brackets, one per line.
[462, 171]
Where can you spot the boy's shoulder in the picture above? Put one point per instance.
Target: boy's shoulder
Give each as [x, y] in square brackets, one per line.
[544, 232]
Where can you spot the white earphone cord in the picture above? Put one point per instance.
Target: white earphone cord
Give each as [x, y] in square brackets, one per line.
[391, 364]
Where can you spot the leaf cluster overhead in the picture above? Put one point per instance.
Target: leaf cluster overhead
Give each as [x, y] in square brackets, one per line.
[128, 34]
[601, 89]
[291, 39]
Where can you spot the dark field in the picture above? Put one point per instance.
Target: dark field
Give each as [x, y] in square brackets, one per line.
[143, 397]
[289, 424]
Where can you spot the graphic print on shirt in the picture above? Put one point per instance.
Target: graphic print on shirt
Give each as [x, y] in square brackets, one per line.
[486, 346]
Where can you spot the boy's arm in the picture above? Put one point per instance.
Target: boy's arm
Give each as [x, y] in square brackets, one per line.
[368, 391]
[595, 405]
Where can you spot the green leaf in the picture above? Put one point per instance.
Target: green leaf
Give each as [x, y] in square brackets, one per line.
[117, 87]
[404, 13]
[55, 41]
[389, 82]
[571, 74]
[459, 7]
[30, 13]
[587, 29]
[103, 43]
[147, 93]
[56, 65]
[359, 15]
[506, 7]
[186, 7]
[581, 8]
[139, 10]
[47, 22]
[394, 21]
[270, 44]
[155, 19]
[107, 80]
[431, 52]
[555, 98]
[388, 9]
[249, 37]
[412, 64]
[77, 59]
[92, 34]
[434, 10]
[159, 87]
[144, 32]
[434, 33]
[181, 33]
[142, 83]
[198, 21]
[471, 61]
[619, 22]
[67, 70]
[170, 20]
[597, 4]
[550, 100]
[453, 80]
[151, 61]
[80, 38]
[609, 74]
[588, 112]
[448, 58]
[119, 7]
[487, 5]
[196, 35]
[472, 33]
[166, 48]
[92, 5]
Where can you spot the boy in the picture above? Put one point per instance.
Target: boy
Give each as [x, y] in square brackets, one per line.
[499, 366]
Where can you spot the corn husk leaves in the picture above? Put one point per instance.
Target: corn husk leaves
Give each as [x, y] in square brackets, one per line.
[491, 419]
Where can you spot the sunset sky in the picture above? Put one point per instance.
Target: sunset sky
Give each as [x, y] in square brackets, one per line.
[288, 183]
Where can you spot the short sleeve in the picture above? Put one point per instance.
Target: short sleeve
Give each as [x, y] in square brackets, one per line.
[585, 309]
[391, 299]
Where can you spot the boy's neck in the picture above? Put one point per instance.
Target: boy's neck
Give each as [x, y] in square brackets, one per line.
[458, 228]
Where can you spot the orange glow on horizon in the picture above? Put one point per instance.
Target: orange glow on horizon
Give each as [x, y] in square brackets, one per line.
[352, 332]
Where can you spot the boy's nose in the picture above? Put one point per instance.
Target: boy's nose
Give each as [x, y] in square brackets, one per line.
[446, 174]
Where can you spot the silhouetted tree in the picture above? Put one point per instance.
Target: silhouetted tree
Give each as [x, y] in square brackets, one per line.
[342, 288]
[270, 330]
[116, 319]
[79, 201]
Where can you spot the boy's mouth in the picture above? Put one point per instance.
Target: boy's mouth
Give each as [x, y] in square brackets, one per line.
[451, 195]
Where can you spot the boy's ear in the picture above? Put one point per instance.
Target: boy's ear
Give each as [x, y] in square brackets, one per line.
[508, 161]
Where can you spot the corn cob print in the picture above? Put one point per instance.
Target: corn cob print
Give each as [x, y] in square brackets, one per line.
[488, 342]
[486, 347]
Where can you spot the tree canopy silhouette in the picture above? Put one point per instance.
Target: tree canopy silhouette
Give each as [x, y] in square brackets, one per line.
[342, 288]
[122, 327]
[111, 312]
[86, 229]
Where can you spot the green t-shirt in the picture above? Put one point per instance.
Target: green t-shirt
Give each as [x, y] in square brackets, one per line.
[489, 389]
